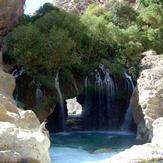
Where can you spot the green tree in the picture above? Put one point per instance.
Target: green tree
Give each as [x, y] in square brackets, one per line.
[146, 3]
[151, 16]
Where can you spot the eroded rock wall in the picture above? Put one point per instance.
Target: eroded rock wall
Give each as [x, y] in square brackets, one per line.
[81, 5]
[10, 10]
[147, 100]
[77, 5]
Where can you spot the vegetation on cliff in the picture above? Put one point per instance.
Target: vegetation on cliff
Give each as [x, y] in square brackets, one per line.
[55, 40]
[114, 35]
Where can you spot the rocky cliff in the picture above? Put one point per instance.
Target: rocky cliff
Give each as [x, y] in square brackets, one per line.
[21, 137]
[148, 97]
[78, 5]
[81, 5]
[9, 14]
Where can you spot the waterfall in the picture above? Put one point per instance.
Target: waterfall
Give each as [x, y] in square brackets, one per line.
[110, 94]
[61, 101]
[39, 94]
[75, 85]
[104, 98]
[128, 116]
[98, 83]
[18, 72]
[87, 99]
[99, 91]
[128, 78]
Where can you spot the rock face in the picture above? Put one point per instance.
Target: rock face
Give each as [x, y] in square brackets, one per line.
[76, 5]
[81, 5]
[149, 94]
[7, 83]
[10, 10]
[21, 138]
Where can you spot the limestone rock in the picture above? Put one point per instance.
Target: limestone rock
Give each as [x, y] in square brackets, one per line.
[139, 154]
[7, 83]
[74, 108]
[151, 88]
[9, 156]
[21, 139]
[77, 5]
[81, 5]
[10, 10]
[158, 132]
[26, 143]
[28, 120]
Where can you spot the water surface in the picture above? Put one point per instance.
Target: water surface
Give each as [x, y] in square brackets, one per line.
[88, 147]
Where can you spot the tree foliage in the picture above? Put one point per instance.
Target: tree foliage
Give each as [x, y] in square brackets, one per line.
[114, 35]
[149, 2]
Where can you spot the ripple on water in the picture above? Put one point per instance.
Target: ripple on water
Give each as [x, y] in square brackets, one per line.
[88, 147]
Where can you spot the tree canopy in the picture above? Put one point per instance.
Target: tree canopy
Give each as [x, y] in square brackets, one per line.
[114, 35]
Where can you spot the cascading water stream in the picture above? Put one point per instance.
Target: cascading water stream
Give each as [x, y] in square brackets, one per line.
[105, 90]
[99, 91]
[61, 101]
[110, 94]
[87, 100]
[39, 94]
[105, 101]
[18, 72]
[128, 116]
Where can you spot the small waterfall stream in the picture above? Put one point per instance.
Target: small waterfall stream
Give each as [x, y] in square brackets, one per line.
[106, 91]
[61, 101]
[99, 96]
[18, 72]
[128, 116]
[39, 94]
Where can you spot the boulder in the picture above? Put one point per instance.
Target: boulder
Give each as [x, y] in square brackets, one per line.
[7, 83]
[74, 108]
[27, 143]
[147, 100]
[9, 156]
[28, 120]
[158, 132]
[21, 139]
